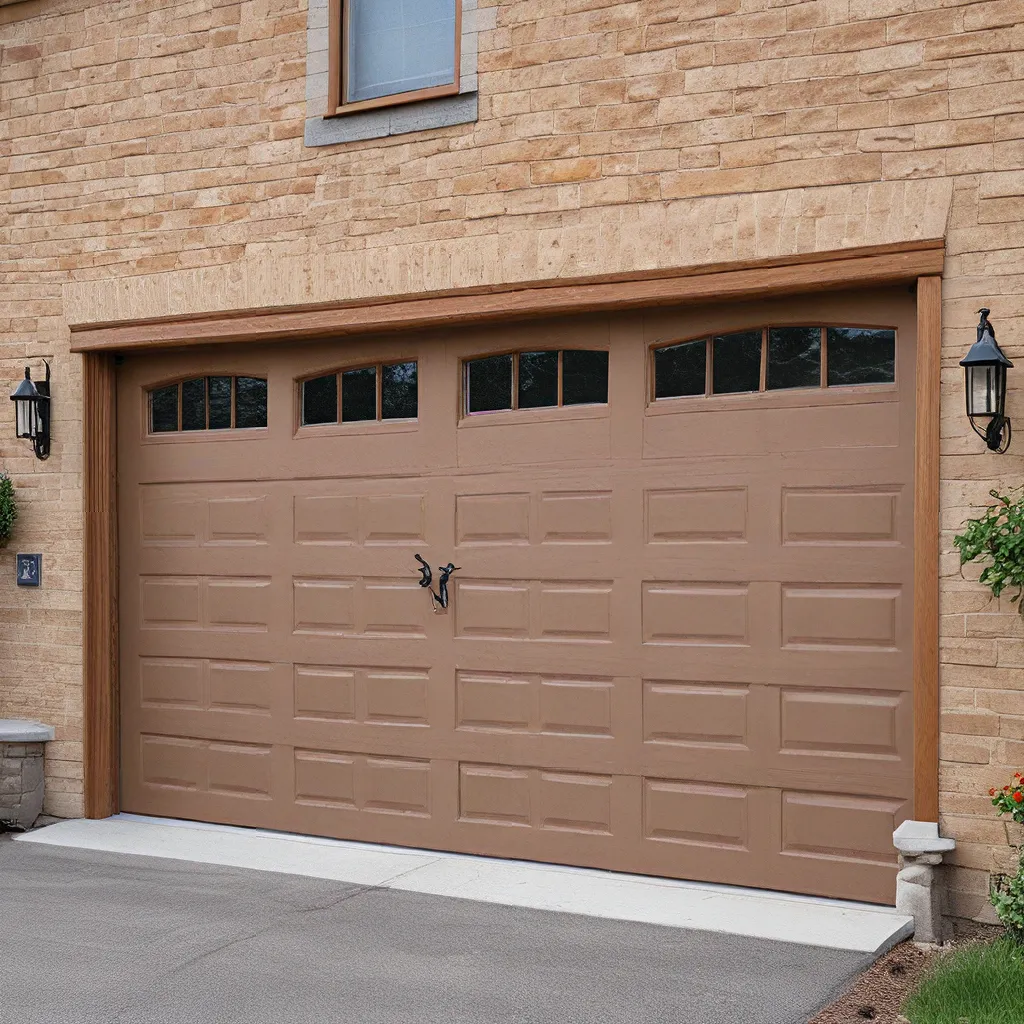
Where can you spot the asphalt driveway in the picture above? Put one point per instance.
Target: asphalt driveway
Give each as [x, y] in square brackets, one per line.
[93, 937]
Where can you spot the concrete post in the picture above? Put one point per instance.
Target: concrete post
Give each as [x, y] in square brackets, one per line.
[919, 894]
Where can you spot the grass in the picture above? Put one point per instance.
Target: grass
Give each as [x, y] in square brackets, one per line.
[979, 984]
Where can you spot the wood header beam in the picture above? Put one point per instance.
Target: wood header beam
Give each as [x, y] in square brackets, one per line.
[848, 268]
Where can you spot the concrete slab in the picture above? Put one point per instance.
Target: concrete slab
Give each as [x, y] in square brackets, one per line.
[102, 938]
[726, 910]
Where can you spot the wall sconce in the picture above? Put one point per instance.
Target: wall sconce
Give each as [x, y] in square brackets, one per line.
[32, 412]
[985, 379]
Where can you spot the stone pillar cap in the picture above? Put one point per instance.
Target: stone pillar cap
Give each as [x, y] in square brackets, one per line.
[14, 730]
[917, 837]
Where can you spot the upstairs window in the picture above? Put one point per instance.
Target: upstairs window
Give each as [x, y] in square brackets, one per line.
[536, 380]
[775, 359]
[385, 52]
[387, 391]
[209, 403]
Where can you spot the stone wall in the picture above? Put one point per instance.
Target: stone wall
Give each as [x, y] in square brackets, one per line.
[21, 783]
[152, 162]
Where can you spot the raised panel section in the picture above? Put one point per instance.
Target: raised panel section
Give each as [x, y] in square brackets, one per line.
[570, 802]
[242, 605]
[391, 519]
[170, 602]
[499, 610]
[169, 521]
[396, 697]
[695, 613]
[326, 519]
[238, 520]
[172, 762]
[839, 516]
[324, 779]
[576, 517]
[325, 692]
[243, 687]
[557, 706]
[860, 723]
[712, 515]
[240, 769]
[575, 611]
[492, 519]
[362, 782]
[171, 683]
[838, 826]
[489, 793]
[394, 608]
[695, 813]
[844, 618]
[695, 714]
[575, 707]
[324, 606]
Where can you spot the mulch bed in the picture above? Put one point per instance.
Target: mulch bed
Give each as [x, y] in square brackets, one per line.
[879, 992]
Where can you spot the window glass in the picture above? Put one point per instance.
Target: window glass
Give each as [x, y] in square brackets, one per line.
[359, 395]
[736, 362]
[320, 400]
[163, 409]
[858, 355]
[397, 46]
[794, 357]
[193, 404]
[220, 402]
[399, 398]
[538, 379]
[680, 369]
[250, 402]
[584, 377]
[489, 384]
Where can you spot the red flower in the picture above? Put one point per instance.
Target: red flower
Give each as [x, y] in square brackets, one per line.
[1006, 789]
[991, 792]
[1018, 797]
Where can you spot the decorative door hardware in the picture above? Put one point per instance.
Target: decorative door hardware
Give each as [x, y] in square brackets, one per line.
[439, 600]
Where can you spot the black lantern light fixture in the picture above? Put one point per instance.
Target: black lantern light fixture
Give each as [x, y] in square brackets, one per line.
[985, 379]
[32, 412]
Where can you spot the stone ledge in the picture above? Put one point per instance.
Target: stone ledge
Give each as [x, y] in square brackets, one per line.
[13, 730]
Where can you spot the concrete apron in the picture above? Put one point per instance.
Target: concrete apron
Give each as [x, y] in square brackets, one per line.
[755, 913]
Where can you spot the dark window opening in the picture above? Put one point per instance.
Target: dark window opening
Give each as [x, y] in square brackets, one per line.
[208, 403]
[386, 391]
[536, 380]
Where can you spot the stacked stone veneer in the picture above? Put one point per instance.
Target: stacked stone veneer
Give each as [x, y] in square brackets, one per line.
[152, 164]
[21, 783]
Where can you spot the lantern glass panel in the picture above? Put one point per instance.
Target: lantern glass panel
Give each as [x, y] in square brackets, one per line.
[22, 415]
[981, 390]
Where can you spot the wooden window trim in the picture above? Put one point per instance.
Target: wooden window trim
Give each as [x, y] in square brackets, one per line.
[337, 28]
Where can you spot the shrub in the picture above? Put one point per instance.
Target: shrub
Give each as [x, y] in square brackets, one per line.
[997, 537]
[8, 508]
[1007, 891]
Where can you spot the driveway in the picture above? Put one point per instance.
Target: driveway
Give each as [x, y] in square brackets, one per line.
[93, 937]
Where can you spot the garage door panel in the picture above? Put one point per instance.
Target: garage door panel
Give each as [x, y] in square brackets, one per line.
[678, 640]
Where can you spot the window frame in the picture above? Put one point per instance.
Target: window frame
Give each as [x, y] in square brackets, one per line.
[357, 426]
[207, 433]
[338, 21]
[822, 388]
[515, 353]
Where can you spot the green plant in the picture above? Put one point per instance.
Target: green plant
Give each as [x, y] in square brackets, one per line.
[997, 537]
[8, 508]
[982, 983]
[1007, 896]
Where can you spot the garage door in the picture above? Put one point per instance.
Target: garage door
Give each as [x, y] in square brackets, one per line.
[677, 640]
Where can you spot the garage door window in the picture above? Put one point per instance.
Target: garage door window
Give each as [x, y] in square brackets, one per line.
[208, 403]
[775, 359]
[536, 380]
[387, 391]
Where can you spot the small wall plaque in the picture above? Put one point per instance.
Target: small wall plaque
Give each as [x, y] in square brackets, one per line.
[30, 570]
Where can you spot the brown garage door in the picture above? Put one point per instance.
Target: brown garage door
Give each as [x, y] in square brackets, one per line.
[678, 638]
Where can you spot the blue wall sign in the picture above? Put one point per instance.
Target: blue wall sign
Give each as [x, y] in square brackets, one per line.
[30, 570]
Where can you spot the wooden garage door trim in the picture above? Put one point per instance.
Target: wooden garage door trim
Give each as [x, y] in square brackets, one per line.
[920, 262]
